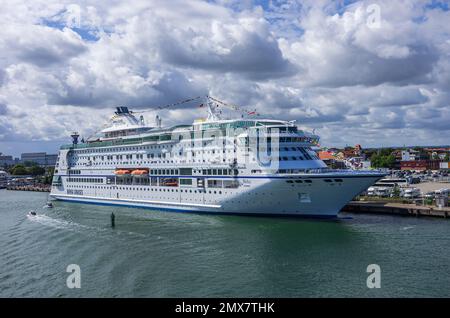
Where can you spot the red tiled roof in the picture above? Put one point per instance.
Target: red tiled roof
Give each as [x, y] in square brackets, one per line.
[324, 155]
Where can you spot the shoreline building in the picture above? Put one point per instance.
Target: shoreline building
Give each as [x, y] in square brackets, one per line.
[7, 160]
[420, 165]
[424, 159]
[40, 158]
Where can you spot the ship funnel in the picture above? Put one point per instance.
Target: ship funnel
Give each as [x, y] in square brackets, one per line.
[122, 110]
[75, 137]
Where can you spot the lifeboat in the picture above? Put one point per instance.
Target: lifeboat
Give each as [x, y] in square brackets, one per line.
[122, 172]
[171, 184]
[139, 172]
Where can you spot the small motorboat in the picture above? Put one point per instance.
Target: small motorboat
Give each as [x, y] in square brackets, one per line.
[48, 205]
[32, 213]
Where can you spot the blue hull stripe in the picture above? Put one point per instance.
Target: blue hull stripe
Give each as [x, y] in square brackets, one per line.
[307, 216]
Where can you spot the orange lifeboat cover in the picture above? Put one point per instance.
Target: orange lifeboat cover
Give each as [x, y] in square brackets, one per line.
[139, 172]
[122, 172]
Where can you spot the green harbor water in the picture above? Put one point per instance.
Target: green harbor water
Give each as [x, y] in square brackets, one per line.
[161, 254]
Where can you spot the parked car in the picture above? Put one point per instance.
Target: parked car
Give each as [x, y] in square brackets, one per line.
[442, 191]
[429, 195]
[409, 193]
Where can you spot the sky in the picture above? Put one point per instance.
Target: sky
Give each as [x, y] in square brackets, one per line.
[375, 73]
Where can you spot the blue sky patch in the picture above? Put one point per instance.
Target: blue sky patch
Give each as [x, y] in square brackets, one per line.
[86, 34]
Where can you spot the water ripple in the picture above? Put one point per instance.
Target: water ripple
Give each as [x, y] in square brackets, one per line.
[157, 254]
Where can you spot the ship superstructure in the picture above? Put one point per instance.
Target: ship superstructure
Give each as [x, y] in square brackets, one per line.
[215, 165]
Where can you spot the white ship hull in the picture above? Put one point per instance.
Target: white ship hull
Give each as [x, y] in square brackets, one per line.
[262, 196]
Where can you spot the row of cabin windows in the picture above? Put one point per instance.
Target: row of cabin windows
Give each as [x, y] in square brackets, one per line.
[306, 152]
[190, 171]
[150, 155]
[230, 160]
[180, 171]
[147, 189]
[85, 180]
[92, 151]
[98, 150]
[306, 155]
[282, 139]
[168, 182]
[175, 182]
[214, 184]
[281, 158]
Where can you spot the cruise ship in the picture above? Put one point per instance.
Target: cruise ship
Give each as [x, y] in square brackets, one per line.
[245, 165]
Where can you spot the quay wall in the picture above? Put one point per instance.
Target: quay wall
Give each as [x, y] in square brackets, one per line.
[391, 208]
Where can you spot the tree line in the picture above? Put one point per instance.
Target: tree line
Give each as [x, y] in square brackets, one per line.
[383, 159]
[32, 169]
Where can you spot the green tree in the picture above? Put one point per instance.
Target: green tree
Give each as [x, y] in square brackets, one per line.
[49, 175]
[36, 170]
[382, 160]
[385, 151]
[389, 161]
[19, 170]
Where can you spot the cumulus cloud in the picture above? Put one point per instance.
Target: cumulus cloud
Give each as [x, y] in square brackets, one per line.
[3, 109]
[346, 50]
[244, 46]
[353, 75]
[40, 45]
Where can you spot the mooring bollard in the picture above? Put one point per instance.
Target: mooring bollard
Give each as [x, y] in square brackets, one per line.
[113, 220]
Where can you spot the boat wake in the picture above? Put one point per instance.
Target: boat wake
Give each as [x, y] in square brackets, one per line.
[76, 227]
[48, 221]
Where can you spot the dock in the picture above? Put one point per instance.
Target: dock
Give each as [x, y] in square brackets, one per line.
[394, 208]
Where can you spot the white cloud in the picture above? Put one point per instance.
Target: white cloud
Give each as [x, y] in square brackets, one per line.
[319, 62]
